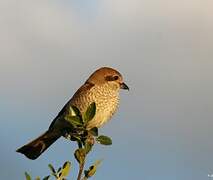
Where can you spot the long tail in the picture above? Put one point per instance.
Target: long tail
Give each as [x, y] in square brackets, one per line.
[35, 148]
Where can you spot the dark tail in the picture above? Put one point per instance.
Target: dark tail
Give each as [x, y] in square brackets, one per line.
[36, 147]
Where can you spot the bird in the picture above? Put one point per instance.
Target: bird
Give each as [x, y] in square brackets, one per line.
[103, 88]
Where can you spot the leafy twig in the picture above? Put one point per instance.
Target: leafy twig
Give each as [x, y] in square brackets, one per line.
[85, 139]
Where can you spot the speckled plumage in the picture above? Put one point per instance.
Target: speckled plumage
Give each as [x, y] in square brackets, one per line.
[102, 87]
[106, 99]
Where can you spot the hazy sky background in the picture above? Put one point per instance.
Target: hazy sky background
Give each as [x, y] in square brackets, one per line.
[164, 127]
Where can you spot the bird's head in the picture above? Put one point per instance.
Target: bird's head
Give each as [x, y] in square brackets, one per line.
[109, 76]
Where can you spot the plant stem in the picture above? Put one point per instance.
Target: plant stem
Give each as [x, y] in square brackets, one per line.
[79, 144]
[81, 168]
[81, 165]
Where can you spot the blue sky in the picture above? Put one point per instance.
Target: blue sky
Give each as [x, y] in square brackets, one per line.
[163, 128]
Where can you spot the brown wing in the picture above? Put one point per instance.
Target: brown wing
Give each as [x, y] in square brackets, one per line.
[87, 86]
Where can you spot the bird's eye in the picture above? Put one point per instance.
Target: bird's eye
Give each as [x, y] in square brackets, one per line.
[115, 78]
[111, 78]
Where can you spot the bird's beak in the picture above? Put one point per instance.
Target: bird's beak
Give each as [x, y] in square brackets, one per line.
[124, 86]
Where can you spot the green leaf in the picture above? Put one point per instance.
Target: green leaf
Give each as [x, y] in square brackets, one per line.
[74, 111]
[94, 131]
[27, 176]
[46, 178]
[88, 147]
[37, 178]
[74, 120]
[66, 164]
[92, 169]
[52, 168]
[90, 172]
[80, 155]
[90, 113]
[66, 169]
[59, 170]
[104, 140]
[53, 172]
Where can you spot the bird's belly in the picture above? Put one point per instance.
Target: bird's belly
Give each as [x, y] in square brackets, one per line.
[104, 112]
[106, 104]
